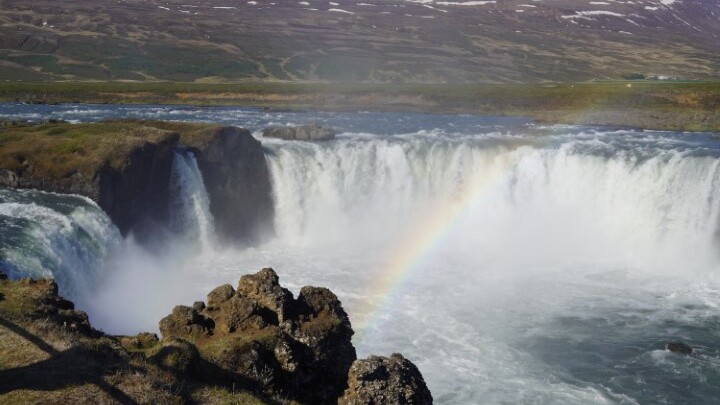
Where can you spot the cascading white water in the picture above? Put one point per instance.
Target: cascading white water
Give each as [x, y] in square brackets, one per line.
[69, 238]
[48, 235]
[653, 205]
[159, 279]
[534, 264]
[543, 231]
[189, 201]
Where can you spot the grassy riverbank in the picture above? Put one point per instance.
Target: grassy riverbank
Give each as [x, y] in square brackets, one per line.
[689, 106]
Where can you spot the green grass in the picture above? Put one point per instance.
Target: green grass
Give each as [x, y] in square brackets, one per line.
[57, 150]
[225, 396]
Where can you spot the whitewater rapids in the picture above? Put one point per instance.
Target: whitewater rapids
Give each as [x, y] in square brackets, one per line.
[513, 263]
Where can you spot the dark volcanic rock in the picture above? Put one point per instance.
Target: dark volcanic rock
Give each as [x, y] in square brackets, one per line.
[679, 347]
[307, 132]
[136, 197]
[327, 332]
[238, 313]
[9, 179]
[263, 287]
[237, 179]
[237, 343]
[219, 295]
[143, 340]
[185, 322]
[260, 333]
[132, 182]
[132, 190]
[382, 380]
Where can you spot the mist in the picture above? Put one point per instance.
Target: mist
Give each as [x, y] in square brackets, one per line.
[507, 266]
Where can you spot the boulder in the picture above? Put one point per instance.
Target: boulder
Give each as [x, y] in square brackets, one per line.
[185, 322]
[679, 347]
[220, 295]
[324, 328]
[9, 179]
[263, 287]
[141, 341]
[307, 132]
[237, 313]
[261, 333]
[231, 344]
[198, 306]
[388, 381]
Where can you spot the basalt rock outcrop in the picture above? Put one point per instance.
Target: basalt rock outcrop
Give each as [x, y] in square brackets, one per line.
[385, 380]
[307, 132]
[259, 333]
[136, 194]
[252, 343]
[237, 179]
[40, 300]
[125, 167]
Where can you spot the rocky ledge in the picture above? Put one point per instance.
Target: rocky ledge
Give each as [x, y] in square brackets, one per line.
[125, 167]
[254, 343]
[307, 132]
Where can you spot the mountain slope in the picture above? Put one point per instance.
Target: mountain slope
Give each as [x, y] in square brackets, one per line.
[359, 40]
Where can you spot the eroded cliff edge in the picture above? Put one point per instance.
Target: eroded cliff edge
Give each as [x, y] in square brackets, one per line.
[125, 167]
[254, 344]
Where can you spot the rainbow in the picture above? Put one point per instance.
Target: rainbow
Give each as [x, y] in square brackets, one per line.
[422, 240]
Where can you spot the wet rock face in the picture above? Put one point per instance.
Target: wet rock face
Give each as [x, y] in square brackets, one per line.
[237, 179]
[136, 193]
[136, 197]
[382, 380]
[325, 329]
[308, 132]
[9, 179]
[260, 333]
[680, 348]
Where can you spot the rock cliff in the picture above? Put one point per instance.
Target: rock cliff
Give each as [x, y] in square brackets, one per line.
[254, 344]
[125, 168]
[237, 179]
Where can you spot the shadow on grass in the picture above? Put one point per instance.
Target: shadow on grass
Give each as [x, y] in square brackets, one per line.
[205, 371]
[73, 367]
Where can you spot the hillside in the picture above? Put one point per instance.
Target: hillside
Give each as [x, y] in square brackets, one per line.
[358, 41]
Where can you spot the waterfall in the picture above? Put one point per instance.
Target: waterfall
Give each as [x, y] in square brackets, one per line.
[47, 235]
[189, 201]
[582, 192]
[70, 239]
